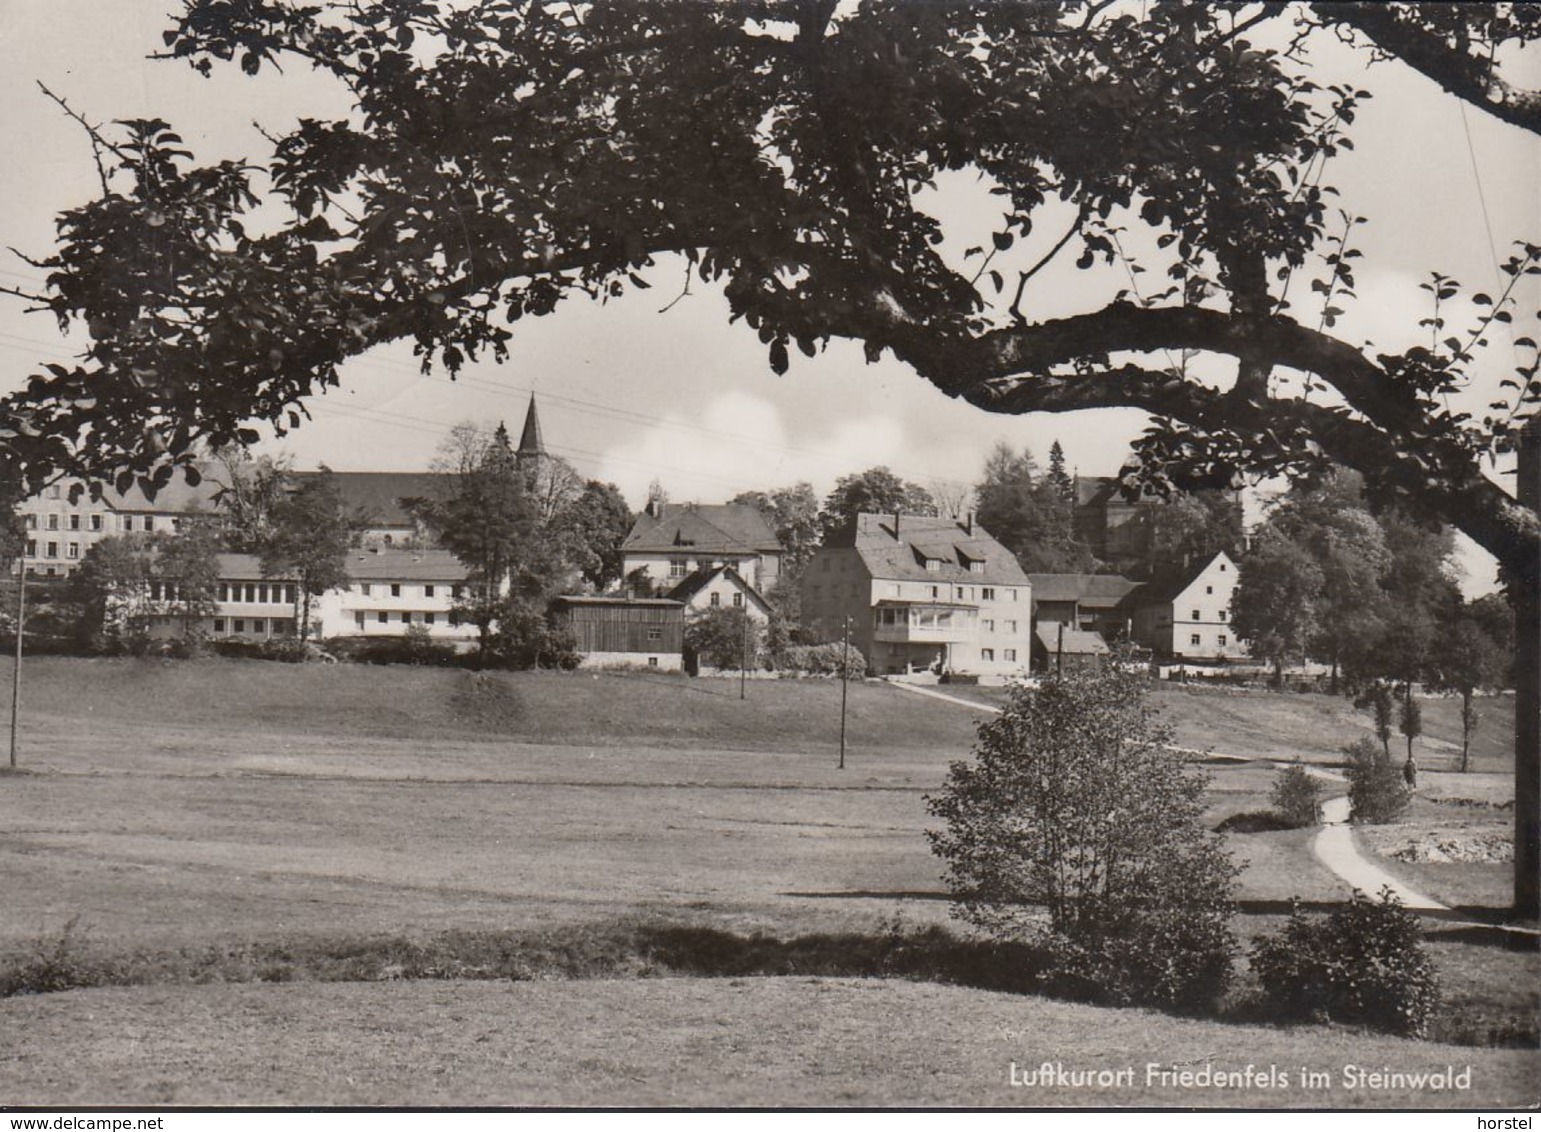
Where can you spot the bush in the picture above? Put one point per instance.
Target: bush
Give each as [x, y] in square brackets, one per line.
[822, 660]
[1364, 964]
[1078, 828]
[723, 637]
[1297, 796]
[416, 646]
[1377, 791]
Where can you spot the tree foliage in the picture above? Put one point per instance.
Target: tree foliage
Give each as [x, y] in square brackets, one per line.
[593, 527]
[187, 567]
[1030, 514]
[724, 637]
[875, 491]
[308, 540]
[1076, 824]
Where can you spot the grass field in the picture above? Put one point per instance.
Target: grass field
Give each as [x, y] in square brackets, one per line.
[176, 812]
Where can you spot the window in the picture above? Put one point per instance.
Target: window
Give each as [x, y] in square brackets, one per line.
[1195, 639]
[358, 619]
[251, 592]
[96, 522]
[219, 624]
[262, 592]
[1209, 589]
[456, 591]
[986, 593]
[31, 522]
[224, 591]
[1222, 640]
[677, 568]
[289, 592]
[934, 565]
[363, 588]
[53, 521]
[987, 655]
[738, 601]
[428, 618]
[934, 592]
[239, 626]
[149, 522]
[654, 633]
[1223, 613]
[1196, 616]
[427, 591]
[395, 589]
[383, 617]
[1011, 595]
[74, 522]
[988, 625]
[406, 617]
[32, 548]
[155, 591]
[716, 600]
[1009, 627]
[53, 491]
[53, 550]
[976, 566]
[1222, 567]
[259, 626]
[652, 662]
[1009, 654]
[128, 522]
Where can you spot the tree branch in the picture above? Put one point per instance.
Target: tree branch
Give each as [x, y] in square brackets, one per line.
[1474, 80]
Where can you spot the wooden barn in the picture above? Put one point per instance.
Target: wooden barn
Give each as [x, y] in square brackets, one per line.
[625, 632]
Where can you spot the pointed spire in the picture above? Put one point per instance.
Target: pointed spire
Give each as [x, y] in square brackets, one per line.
[531, 445]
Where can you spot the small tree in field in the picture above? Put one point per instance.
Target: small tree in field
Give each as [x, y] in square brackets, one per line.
[724, 637]
[1078, 827]
[1297, 796]
[1377, 791]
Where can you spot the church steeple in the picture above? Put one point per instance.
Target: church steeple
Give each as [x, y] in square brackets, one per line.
[531, 445]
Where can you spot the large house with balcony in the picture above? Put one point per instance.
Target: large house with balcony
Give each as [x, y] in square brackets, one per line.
[920, 592]
[671, 541]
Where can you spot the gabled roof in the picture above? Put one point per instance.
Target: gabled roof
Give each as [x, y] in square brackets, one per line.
[1078, 642]
[901, 553]
[725, 528]
[1170, 589]
[698, 580]
[1094, 591]
[378, 495]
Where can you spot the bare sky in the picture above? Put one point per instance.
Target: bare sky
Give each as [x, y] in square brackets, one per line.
[629, 394]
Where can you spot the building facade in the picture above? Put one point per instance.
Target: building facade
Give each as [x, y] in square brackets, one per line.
[921, 593]
[671, 541]
[1190, 619]
[625, 632]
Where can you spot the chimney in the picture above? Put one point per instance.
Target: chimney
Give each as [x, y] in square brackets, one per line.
[968, 524]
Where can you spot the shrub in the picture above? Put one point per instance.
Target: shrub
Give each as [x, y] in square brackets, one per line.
[416, 646]
[723, 637]
[822, 660]
[1364, 964]
[1377, 791]
[1078, 828]
[1297, 796]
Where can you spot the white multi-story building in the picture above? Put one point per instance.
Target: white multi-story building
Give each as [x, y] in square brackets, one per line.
[671, 541]
[1190, 619]
[921, 592]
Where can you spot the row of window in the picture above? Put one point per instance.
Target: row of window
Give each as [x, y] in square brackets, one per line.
[1197, 640]
[256, 593]
[97, 522]
[396, 589]
[280, 626]
[1007, 655]
[51, 550]
[405, 617]
[716, 600]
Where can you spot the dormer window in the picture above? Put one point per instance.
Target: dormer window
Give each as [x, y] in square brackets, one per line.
[934, 565]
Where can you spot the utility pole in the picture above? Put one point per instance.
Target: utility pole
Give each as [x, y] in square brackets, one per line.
[1059, 652]
[743, 649]
[21, 618]
[845, 679]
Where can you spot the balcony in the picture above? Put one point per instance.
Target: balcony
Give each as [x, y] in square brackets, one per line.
[926, 623]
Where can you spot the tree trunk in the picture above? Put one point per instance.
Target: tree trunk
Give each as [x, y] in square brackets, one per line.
[1526, 577]
[1466, 730]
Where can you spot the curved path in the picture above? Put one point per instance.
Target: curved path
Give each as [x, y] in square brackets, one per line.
[1334, 845]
